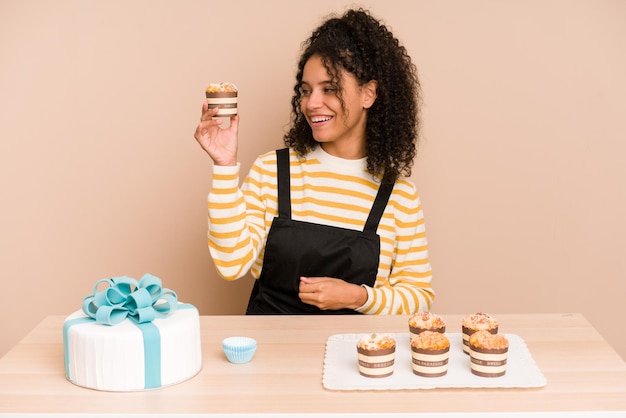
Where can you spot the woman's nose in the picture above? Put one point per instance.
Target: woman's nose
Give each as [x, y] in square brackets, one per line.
[314, 100]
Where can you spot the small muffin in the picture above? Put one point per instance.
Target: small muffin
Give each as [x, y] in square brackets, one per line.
[488, 353]
[430, 351]
[476, 322]
[223, 96]
[426, 321]
[376, 354]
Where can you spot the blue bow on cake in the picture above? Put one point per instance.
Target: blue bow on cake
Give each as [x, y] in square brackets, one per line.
[141, 301]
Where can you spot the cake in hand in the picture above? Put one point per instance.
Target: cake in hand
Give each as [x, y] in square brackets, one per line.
[426, 321]
[488, 353]
[430, 352]
[132, 335]
[476, 322]
[223, 96]
[376, 354]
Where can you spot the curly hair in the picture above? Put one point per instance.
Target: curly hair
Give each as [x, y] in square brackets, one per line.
[360, 44]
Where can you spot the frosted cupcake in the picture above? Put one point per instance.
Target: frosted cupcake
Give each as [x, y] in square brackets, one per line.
[488, 354]
[426, 321]
[477, 322]
[376, 354]
[223, 96]
[430, 352]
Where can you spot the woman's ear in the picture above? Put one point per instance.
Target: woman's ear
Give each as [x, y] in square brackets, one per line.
[369, 93]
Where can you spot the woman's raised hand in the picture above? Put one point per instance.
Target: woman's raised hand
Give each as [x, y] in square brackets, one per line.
[220, 143]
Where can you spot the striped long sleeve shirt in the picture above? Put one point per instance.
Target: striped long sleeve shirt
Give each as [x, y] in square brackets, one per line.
[324, 190]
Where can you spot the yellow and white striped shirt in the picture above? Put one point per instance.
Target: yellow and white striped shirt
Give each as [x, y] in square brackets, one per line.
[330, 191]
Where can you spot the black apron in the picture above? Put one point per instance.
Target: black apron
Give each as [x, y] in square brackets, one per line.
[296, 248]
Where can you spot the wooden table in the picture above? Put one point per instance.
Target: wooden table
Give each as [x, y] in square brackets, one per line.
[585, 376]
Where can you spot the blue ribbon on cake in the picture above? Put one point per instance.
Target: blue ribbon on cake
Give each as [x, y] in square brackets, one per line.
[125, 297]
[141, 302]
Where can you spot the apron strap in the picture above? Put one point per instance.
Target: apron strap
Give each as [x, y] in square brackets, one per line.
[382, 197]
[284, 183]
[284, 193]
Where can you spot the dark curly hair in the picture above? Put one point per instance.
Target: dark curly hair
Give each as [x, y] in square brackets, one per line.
[360, 44]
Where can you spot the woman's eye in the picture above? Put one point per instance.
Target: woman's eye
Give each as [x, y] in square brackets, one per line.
[305, 92]
[330, 90]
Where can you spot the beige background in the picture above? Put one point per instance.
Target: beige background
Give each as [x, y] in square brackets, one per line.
[520, 167]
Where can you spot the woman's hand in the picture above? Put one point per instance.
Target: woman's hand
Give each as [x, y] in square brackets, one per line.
[220, 144]
[329, 293]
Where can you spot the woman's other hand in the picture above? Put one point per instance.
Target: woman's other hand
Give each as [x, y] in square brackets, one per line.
[330, 293]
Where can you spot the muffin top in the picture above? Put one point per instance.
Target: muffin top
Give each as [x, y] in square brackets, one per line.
[480, 320]
[221, 87]
[426, 320]
[430, 340]
[377, 342]
[487, 340]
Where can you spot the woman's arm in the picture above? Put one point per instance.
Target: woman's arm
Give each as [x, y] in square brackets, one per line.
[407, 287]
[237, 229]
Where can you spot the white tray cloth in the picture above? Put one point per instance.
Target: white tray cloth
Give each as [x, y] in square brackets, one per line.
[341, 370]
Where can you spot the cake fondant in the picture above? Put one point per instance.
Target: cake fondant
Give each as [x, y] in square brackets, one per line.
[223, 96]
[132, 335]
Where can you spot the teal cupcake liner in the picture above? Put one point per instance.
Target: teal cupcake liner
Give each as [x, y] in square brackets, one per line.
[239, 349]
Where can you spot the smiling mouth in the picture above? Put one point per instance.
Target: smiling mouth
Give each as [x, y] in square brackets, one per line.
[320, 119]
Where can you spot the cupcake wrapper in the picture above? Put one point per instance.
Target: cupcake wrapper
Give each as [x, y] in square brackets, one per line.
[239, 349]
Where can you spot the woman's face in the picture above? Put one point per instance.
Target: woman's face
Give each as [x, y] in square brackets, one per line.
[339, 130]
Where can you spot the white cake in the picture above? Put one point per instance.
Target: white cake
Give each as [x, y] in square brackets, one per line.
[132, 356]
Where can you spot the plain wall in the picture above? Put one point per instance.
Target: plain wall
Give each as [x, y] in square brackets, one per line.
[520, 166]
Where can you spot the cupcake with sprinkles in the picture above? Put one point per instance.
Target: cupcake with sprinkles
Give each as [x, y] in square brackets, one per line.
[477, 322]
[426, 321]
[488, 354]
[376, 355]
[430, 352]
[223, 96]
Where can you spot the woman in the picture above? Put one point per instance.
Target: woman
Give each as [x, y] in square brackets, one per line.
[330, 224]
